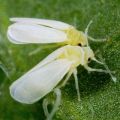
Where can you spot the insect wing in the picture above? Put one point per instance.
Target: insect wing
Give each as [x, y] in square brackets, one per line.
[51, 57]
[24, 33]
[50, 23]
[36, 84]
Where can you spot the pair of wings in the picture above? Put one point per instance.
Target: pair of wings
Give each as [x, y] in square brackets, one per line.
[40, 80]
[30, 30]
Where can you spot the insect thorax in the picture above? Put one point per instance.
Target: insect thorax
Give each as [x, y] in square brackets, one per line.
[75, 37]
[74, 54]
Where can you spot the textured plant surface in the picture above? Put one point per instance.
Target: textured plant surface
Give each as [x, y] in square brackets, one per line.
[99, 94]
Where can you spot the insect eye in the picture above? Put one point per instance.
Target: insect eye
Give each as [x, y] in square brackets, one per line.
[89, 59]
[79, 44]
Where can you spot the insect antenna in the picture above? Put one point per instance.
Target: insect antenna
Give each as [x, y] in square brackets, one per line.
[106, 67]
[94, 59]
[91, 38]
[87, 28]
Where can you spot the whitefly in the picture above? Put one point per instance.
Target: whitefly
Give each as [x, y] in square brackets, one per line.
[31, 30]
[45, 76]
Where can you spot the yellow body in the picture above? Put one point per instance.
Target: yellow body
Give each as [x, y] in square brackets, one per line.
[79, 55]
[76, 37]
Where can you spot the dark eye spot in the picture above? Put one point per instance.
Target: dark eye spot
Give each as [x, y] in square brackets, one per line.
[89, 59]
[79, 44]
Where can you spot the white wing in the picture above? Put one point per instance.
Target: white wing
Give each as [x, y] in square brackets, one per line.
[20, 33]
[51, 57]
[51, 23]
[36, 84]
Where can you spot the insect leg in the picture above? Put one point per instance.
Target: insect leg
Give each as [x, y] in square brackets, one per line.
[45, 104]
[66, 79]
[41, 48]
[76, 83]
[57, 91]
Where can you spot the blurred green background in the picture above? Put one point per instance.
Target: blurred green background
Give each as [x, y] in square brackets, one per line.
[100, 95]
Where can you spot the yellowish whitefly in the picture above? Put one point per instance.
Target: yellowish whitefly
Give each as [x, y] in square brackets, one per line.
[75, 37]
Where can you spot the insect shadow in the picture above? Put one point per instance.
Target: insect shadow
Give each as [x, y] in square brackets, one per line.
[89, 83]
[38, 107]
